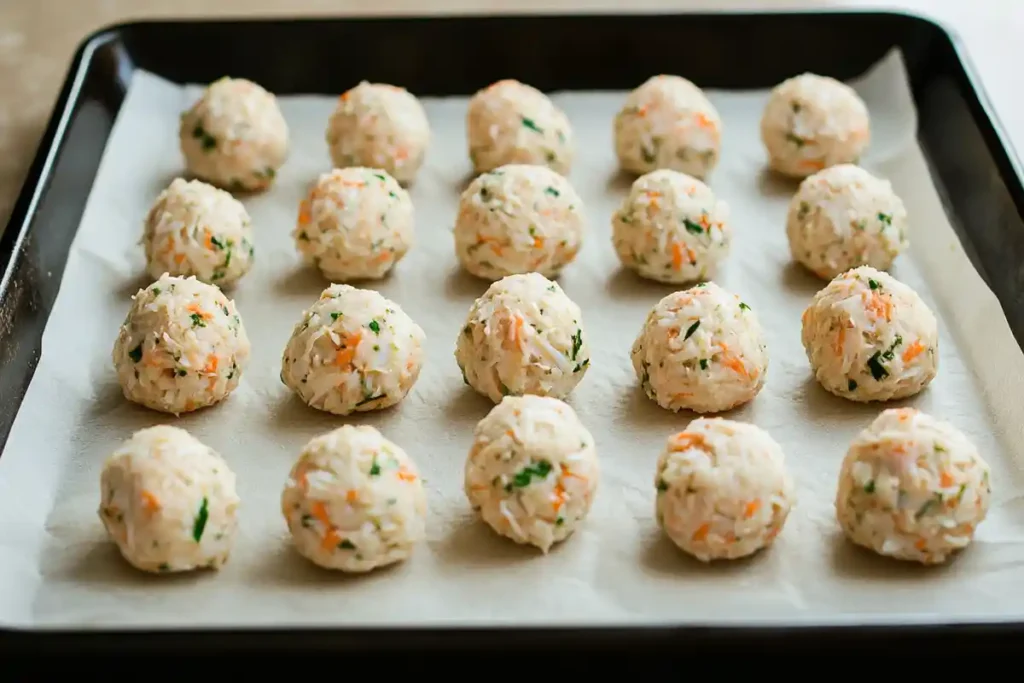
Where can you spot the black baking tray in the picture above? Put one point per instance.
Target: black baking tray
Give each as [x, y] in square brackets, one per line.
[978, 176]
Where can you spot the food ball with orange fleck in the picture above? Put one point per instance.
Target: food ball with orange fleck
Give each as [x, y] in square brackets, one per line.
[701, 349]
[197, 229]
[235, 136]
[378, 125]
[353, 351]
[671, 228]
[356, 224]
[812, 122]
[532, 471]
[668, 122]
[912, 488]
[870, 337]
[169, 502]
[723, 489]
[518, 219]
[354, 501]
[181, 347]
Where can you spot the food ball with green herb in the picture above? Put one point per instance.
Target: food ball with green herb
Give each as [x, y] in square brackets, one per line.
[532, 472]
[912, 488]
[812, 122]
[518, 219]
[509, 122]
[671, 228]
[870, 337]
[197, 229]
[353, 351]
[723, 489]
[181, 347]
[169, 502]
[701, 349]
[523, 336]
[354, 501]
[378, 125]
[668, 122]
[355, 224]
[235, 136]
[844, 217]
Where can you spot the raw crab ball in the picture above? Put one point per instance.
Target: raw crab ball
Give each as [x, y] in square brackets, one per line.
[354, 501]
[181, 347]
[532, 471]
[701, 349]
[356, 224]
[668, 122]
[235, 136]
[523, 336]
[723, 490]
[197, 229]
[844, 217]
[812, 122]
[353, 351]
[510, 122]
[869, 337]
[381, 126]
[671, 228]
[169, 502]
[912, 487]
[518, 219]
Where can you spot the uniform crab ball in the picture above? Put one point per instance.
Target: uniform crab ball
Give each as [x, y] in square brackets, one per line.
[523, 336]
[197, 229]
[356, 224]
[723, 490]
[912, 488]
[668, 122]
[701, 349]
[181, 347]
[354, 501]
[513, 123]
[353, 351]
[869, 337]
[812, 122]
[532, 471]
[518, 219]
[844, 217]
[377, 125]
[235, 136]
[671, 228]
[169, 502]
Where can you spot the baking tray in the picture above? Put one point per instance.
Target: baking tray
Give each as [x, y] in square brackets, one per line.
[978, 177]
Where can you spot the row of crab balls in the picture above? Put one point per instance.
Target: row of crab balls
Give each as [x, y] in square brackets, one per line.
[236, 137]
[911, 487]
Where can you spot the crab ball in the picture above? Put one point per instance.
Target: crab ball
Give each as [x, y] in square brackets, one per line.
[510, 122]
[869, 337]
[353, 351]
[701, 349]
[812, 122]
[355, 224]
[671, 228]
[354, 501]
[668, 122]
[169, 502]
[532, 471]
[912, 487]
[523, 336]
[181, 347]
[383, 126]
[234, 136]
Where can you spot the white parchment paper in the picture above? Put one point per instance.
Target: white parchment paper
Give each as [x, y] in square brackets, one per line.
[57, 569]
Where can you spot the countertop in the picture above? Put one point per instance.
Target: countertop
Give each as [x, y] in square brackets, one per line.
[39, 37]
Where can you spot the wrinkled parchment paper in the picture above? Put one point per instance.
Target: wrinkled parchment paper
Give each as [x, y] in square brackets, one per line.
[56, 568]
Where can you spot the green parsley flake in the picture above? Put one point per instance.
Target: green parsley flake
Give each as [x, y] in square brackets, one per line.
[529, 123]
[200, 524]
[693, 227]
[374, 326]
[691, 330]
